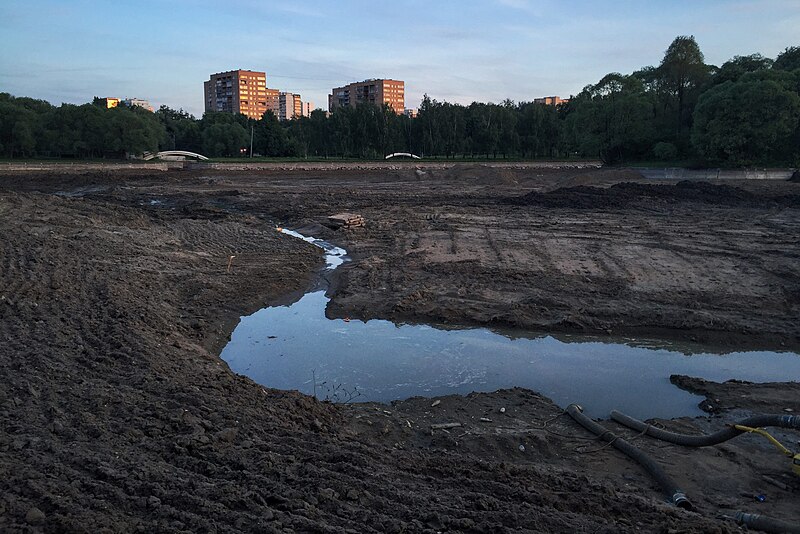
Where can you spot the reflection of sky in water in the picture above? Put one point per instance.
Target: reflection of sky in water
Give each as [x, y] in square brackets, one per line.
[334, 256]
[387, 361]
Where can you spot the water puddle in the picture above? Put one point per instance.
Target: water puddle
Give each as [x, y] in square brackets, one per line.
[297, 347]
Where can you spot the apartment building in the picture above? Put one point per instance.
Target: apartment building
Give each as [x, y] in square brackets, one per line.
[550, 100]
[376, 92]
[306, 108]
[289, 106]
[109, 102]
[273, 100]
[112, 102]
[130, 102]
[240, 91]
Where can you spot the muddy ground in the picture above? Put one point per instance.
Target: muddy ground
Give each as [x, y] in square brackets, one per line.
[116, 412]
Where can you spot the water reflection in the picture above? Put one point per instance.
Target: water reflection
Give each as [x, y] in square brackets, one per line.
[296, 347]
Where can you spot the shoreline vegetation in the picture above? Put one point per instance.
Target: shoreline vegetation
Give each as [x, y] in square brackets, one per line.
[744, 113]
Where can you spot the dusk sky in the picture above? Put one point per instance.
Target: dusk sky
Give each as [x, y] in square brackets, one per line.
[459, 51]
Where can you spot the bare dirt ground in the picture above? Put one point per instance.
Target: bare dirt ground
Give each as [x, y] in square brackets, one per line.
[117, 414]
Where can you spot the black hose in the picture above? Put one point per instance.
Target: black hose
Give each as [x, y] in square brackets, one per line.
[704, 440]
[766, 524]
[676, 496]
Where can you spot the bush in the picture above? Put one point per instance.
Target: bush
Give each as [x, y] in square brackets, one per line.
[665, 151]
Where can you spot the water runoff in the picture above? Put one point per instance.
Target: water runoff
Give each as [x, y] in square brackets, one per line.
[297, 347]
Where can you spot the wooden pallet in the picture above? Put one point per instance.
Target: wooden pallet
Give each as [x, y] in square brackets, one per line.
[346, 220]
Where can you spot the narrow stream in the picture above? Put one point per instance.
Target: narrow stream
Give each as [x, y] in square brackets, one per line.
[297, 347]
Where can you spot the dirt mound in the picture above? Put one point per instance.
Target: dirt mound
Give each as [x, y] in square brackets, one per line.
[610, 175]
[632, 194]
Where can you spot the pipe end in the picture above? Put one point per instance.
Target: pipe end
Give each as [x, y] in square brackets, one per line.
[680, 500]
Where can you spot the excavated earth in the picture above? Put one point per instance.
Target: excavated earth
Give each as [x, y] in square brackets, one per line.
[116, 297]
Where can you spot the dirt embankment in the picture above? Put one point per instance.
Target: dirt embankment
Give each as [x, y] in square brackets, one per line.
[116, 413]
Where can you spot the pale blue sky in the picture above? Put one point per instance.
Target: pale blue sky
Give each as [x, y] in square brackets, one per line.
[459, 51]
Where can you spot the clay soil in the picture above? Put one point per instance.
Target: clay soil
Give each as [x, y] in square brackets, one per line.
[117, 415]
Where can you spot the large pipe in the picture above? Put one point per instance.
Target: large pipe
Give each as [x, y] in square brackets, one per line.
[704, 440]
[670, 488]
[766, 524]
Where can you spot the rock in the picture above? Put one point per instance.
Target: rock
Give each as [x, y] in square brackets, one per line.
[328, 494]
[228, 435]
[35, 516]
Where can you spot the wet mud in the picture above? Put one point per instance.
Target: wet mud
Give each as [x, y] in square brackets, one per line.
[117, 415]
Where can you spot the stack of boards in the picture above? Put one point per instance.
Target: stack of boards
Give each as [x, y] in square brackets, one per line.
[346, 220]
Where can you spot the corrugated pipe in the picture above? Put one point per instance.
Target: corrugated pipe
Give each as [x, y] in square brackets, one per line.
[766, 524]
[704, 440]
[670, 488]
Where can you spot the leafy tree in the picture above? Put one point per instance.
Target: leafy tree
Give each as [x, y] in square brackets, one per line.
[181, 128]
[735, 68]
[270, 137]
[683, 75]
[789, 59]
[612, 119]
[665, 151]
[746, 122]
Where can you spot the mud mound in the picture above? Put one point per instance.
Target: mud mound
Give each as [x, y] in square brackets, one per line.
[481, 174]
[630, 194]
[604, 175]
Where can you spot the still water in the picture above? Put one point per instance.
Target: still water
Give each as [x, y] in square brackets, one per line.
[297, 347]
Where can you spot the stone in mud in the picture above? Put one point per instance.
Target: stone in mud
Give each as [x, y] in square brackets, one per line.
[34, 516]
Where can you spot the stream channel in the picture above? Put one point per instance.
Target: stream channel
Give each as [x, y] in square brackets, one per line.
[297, 347]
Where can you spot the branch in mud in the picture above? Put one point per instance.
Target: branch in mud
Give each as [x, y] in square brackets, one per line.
[333, 392]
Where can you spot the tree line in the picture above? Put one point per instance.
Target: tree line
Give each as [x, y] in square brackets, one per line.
[744, 112]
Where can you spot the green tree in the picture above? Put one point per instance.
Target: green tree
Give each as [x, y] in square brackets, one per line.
[735, 68]
[224, 134]
[612, 119]
[746, 122]
[683, 75]
[788, 60]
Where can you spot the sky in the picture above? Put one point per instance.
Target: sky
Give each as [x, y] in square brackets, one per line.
[453, 50]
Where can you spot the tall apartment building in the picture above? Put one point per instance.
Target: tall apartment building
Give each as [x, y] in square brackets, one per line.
[377, 92]
[273, 101]
[240, 91]
[298, 107]
[550, 100]
[307, 108]
[290, 106]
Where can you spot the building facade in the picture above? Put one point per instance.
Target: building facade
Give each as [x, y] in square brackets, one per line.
[550, 100]
[130, 102]
[112, 102]
[240, 91]
[307, 108]
[289, 106]
[109, 102]
[376, 92]
[272, 98]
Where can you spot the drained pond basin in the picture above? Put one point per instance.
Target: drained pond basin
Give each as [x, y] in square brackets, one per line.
[297, 347]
